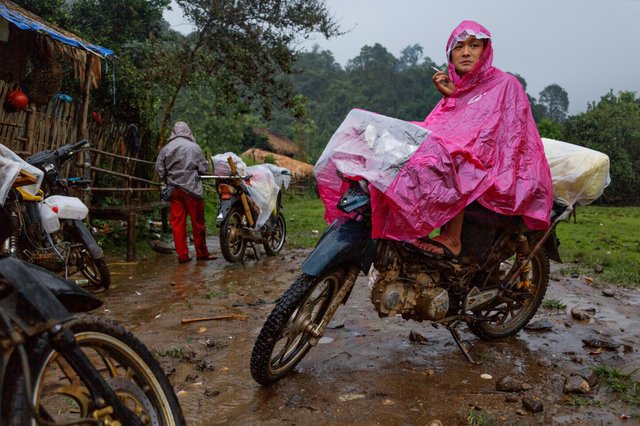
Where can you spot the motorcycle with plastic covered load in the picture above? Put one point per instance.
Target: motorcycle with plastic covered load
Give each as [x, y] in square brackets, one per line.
[494, 286]
[250, 209]
[50, 226]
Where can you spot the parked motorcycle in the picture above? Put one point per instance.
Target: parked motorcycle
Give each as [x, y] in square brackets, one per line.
[495, 286]
[58, 368]
[250, 209]
[49, 227]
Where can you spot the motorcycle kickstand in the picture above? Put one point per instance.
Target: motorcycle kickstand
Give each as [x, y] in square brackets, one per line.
[456, 338]
[255, 251]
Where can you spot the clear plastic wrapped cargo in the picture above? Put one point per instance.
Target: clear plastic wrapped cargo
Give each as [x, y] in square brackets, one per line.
[281, 175]
[221, 164]
[579, 174]
[263, 190]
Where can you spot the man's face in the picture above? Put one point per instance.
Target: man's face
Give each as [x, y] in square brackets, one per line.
[465, 54]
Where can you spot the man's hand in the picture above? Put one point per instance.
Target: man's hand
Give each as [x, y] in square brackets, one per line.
[443, 84]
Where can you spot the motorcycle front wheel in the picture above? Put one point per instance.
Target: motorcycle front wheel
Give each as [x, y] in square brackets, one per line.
[95, 270]
[285, 339]
[274, 241]
[60, 394]
[232, 244]
[507, 317]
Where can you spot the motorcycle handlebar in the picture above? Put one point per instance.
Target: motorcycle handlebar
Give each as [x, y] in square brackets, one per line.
[67, 151]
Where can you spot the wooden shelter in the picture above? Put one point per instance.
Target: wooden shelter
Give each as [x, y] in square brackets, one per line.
[279, 144]
[31, 49]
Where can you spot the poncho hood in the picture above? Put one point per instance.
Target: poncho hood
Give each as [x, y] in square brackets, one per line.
[181, 130]
[483, 67]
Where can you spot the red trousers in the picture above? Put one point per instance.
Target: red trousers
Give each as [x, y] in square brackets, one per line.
[181, 205]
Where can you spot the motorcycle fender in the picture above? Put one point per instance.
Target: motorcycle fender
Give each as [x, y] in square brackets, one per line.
[87, 238]
[223, 210]
[345, 241]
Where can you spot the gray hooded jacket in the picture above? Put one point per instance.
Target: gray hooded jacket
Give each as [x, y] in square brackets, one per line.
[181, 160]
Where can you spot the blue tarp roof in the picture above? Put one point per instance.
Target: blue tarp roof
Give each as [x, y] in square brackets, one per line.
[25, 23]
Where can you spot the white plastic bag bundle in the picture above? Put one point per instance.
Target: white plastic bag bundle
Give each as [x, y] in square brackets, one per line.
[281, 175]
[263, 190]
[10, 166]
[221, 164]
[579, 174]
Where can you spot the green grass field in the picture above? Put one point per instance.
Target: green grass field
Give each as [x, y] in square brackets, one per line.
[603, 236]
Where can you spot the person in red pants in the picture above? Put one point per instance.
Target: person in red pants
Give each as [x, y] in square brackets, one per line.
[179, 164]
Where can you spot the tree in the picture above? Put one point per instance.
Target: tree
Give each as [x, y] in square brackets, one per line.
[556, 101]
[243, 48]
[612, 126]
[550, 129]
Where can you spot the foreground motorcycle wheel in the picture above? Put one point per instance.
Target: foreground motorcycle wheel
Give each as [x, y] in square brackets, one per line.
[507, 318]
[275, 240]
[284, 339]
[61, 396]
[232, 245]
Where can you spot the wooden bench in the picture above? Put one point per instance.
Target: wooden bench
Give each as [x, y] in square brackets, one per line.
[129, 213]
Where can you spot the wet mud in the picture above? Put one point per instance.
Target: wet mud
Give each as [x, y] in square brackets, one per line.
[366, 370]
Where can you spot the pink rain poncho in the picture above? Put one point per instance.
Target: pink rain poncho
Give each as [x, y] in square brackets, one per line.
[479, 144]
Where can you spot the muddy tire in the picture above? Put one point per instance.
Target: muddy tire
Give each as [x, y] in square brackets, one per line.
[283, 340]
[59, 393]
[275, 240]
[506, 319]
[95, 270]
[232, 245]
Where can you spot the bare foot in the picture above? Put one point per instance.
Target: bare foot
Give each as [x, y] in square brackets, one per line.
[454, 247]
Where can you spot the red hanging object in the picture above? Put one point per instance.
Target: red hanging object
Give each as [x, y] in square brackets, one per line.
[18, 99]
[97, 117]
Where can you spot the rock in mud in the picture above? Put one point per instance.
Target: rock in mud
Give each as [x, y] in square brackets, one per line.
[533, 405]
[162, 246]
[576, 384]
[601, 342]
[608, 292]
[210, 393]
[509, 384]
[544, 362]
[414, 336]
[581, 314]
[512, 397]
[540, 325]
[334, 325]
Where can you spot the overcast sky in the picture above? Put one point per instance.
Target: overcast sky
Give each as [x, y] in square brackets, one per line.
[588, 47]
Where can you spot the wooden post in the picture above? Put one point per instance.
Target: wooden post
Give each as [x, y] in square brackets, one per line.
[131, 236]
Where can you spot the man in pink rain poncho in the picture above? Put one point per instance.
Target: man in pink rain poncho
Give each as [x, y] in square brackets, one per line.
[481, 144]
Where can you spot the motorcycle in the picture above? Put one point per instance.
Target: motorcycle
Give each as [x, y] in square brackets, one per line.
[495, 285]
[57, 367]
[245, 214]
[49, 227]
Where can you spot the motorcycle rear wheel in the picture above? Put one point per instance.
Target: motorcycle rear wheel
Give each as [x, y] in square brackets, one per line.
[232, 244]
[60, 394]
[284, 339]
[275, 240]
[508, 318]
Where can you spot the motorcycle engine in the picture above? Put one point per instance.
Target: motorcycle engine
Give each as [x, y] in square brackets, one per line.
[405, 288]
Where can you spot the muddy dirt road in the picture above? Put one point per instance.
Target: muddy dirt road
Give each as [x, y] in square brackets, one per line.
[366, 370]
